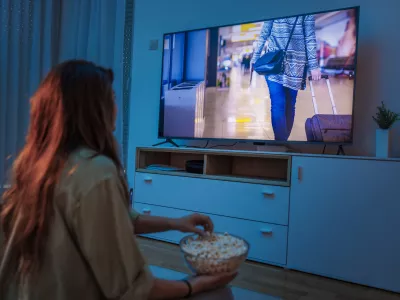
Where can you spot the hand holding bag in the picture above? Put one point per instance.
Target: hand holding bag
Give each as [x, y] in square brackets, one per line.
[271, 63]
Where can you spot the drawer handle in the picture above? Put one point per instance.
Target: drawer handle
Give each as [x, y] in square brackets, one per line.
[146, 211]
[268, 193]
[266, 231]
[299, 173]
[148, 179]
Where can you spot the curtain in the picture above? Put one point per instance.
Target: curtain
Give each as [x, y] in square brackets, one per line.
[37, 34]
[28, 49]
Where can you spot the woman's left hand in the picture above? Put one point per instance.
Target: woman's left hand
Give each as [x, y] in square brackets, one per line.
[190, 223]
[316, 74]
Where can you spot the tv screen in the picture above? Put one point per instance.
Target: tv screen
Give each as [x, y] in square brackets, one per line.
[288, 79]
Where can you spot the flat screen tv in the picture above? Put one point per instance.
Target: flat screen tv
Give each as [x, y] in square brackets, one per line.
[288, 79]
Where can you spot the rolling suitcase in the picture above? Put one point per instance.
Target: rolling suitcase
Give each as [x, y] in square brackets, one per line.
[328, 128]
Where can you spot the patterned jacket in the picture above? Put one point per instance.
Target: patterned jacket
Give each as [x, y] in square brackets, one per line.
[301, 55]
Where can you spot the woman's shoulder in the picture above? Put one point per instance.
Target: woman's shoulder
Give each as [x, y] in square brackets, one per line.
[93, 161]
[85, 169]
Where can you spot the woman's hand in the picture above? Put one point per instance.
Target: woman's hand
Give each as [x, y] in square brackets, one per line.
[316, 74]
[206, 283]
[190, 223]
[171, 289]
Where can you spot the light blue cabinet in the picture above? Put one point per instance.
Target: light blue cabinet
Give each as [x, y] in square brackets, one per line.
[344, 220]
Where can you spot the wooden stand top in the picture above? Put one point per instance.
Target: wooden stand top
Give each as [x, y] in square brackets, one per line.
[254, 153]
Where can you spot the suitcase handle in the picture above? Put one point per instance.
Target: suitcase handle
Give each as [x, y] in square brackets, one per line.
[330, 95]
[322, 77]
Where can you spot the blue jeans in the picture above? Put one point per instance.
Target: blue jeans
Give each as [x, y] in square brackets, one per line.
[283, 102]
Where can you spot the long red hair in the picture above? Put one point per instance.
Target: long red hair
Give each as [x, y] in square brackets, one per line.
[73, 107]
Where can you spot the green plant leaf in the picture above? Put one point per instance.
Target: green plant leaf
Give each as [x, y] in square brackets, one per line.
[384, 117]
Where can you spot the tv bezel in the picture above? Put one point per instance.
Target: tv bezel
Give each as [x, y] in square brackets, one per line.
[260, 141]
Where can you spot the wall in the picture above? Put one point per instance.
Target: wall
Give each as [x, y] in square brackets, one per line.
[378, 62]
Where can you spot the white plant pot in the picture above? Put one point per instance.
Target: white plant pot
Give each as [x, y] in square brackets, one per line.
[382, 143]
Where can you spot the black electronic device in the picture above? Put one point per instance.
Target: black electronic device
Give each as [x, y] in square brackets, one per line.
[194, 166]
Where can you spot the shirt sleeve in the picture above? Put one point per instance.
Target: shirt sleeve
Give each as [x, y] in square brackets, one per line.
[134, 214]
[261, 40]
[104, 233]
[311, 42]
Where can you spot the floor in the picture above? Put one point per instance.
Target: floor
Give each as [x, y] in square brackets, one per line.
[277, 282]
[243, 110]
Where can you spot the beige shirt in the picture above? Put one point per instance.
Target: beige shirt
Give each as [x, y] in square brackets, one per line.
[91, 251]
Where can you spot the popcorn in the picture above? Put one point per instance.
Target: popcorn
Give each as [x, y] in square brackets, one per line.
[215, 253]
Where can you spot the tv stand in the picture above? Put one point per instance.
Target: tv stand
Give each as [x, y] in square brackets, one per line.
[340, 150]
[333, 200]
[167, 141]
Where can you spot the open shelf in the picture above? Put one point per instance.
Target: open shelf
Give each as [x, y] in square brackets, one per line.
[250, 167]
[174, 159]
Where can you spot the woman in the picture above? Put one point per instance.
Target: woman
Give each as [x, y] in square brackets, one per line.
[301, 57]
[65, 219]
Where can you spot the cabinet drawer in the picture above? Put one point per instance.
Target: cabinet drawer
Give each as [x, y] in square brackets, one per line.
[267, 241]
[233, 199]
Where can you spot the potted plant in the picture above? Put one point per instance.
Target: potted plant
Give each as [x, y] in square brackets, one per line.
[385, 119]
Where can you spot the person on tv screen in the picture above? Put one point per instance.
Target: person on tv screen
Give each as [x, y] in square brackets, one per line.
[66, 228]
[301, 58]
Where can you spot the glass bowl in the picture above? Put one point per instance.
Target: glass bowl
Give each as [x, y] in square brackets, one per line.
[209, 264]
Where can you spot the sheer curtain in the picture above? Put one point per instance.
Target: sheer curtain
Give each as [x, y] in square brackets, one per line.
[28, 39]
[37, 34]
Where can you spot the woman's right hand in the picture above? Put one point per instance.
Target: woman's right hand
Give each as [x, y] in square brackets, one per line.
[204, 283]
